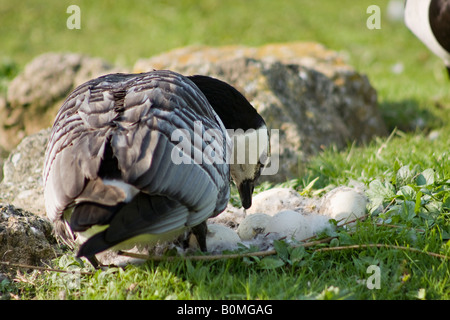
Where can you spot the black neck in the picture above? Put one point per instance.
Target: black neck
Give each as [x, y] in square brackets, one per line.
[230, 105]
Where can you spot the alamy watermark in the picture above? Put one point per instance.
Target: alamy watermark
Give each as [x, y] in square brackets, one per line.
[374, 20]
[74, 20]
[374, 280]
[208, 146]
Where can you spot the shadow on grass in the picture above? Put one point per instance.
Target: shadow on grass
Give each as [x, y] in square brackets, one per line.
[409, 115]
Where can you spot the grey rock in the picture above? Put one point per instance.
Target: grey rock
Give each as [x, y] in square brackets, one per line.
[24, 237]
[22, 183]
[35, 95]
[304, 91]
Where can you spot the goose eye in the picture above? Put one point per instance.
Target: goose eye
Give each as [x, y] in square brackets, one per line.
[258, 170]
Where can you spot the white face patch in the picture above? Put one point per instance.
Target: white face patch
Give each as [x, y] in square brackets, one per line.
[241, 172]
[251, 150]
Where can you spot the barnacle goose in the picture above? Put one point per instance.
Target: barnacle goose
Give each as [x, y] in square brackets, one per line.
[109, 172]
[429, 20]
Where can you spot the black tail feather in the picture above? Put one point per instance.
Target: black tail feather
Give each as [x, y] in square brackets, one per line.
[94, 245]
[143, 215]
[87, 214]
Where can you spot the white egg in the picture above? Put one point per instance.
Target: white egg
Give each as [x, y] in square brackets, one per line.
[318, 223]
[289, 224]
[344, 204]
[220, 237]
[253, 225]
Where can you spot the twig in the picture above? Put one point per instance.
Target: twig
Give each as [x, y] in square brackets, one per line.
[306, 243]
[273, 252]
[219, 256]
[380, 245]
[387, 207]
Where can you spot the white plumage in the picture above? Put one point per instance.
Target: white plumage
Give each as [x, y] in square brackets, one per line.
[429, 20]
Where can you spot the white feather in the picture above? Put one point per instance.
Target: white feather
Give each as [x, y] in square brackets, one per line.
[129, 190]
[417, 20]
[249, 148]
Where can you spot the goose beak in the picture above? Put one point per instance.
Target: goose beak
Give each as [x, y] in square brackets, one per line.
[245, 192]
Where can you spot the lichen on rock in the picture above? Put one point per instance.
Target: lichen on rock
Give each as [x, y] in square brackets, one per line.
[24, 237]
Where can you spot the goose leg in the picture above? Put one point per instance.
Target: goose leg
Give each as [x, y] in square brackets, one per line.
[200, 232]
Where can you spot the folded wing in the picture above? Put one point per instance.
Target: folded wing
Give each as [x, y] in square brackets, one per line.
[119, 127]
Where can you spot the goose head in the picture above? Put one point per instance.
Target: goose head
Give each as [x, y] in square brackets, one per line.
[247, 130]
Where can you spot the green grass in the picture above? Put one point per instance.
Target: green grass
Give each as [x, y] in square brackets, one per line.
[394, 169]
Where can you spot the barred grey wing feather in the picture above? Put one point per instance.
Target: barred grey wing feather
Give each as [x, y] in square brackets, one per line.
[136, 115]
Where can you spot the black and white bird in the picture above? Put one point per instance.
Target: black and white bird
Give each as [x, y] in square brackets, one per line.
[429, 20]
[114, 173]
